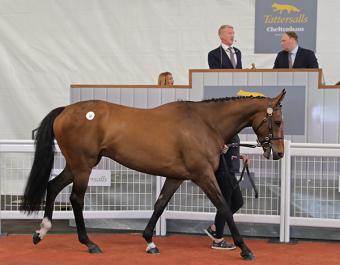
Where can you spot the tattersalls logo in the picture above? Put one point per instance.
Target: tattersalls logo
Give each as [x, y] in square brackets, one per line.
[273, 17]
[285, 14]
[280, 8]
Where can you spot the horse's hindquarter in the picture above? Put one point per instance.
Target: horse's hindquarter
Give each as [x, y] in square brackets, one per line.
[87, 130]
[78, 130]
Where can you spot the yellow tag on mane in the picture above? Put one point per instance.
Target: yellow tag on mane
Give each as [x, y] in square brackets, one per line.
[242, 93]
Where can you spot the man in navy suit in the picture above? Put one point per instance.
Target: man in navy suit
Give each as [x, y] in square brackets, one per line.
[225, 56]
[294, 56]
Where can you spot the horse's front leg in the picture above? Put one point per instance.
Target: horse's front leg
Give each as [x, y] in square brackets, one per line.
[238, 240]
[169, 188]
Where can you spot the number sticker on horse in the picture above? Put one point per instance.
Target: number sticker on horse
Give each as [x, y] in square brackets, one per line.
[90, 115]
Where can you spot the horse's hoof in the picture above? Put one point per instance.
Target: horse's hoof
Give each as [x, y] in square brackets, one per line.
[36, 238]
[154, 250]
[94, 249]
[247, 256]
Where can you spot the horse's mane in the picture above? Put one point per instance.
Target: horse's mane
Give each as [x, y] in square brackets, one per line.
[229, 99]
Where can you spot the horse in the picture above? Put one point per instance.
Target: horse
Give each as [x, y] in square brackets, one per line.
[180, 140]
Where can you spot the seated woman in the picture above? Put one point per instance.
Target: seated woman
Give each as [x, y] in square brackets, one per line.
[165, 79]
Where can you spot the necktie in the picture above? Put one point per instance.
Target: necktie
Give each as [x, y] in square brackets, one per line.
[290, 62]
[232, 58]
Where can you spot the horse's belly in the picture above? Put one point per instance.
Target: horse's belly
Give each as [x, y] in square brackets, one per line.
[153, 163]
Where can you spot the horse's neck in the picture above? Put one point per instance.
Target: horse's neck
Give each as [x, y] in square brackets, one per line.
[232, 116]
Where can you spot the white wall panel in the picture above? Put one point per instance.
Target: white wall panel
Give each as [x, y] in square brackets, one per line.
[100, 93]
[141, 98]
[154, 97]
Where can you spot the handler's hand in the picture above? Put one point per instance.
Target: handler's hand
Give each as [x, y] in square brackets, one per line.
[245, 159]
[225, 149]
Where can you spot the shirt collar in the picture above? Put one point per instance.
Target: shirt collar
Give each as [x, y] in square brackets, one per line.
[226, 47]
[294, 51]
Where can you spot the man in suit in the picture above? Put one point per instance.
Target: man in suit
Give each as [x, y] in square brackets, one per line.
[294, 56]
[225, 56]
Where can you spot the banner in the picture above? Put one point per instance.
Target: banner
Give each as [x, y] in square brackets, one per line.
[98, 177]
[272, 18]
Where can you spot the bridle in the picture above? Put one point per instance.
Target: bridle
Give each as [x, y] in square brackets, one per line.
[266, 142]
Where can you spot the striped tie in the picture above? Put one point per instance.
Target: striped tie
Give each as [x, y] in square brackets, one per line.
[290, 62]
[232, 58]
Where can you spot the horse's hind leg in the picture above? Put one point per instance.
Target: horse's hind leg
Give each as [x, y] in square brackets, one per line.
[169, 188]
[210, 187]
[77, 200]
[53, 188]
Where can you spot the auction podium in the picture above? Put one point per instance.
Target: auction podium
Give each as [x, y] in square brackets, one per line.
[311, 109]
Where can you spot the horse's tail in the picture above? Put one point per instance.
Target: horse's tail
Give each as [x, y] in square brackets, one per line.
[42, 164]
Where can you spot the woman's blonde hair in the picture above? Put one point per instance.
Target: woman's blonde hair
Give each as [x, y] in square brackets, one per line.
[162, 78]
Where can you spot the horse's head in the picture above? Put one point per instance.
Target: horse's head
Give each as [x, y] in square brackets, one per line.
[268, 127]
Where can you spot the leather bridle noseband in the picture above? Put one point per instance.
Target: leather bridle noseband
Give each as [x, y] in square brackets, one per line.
[266, 142]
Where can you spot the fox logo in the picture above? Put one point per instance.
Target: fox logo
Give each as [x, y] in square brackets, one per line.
[289, 8]
[243, 93]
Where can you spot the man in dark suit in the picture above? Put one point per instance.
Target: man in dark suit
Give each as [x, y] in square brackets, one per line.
[225, 56]
[294, 56]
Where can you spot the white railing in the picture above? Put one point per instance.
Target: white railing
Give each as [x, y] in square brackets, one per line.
[131, 194]
[302, 189]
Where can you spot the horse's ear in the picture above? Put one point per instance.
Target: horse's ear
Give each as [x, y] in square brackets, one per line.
[278, 99]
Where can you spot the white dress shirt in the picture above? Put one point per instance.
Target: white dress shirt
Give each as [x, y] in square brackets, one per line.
[292, 53]
[226, 47]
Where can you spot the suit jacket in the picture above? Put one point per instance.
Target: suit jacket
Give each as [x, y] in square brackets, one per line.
[304, 59]
[215, 56]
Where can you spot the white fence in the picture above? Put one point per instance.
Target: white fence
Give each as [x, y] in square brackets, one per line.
[302, 189]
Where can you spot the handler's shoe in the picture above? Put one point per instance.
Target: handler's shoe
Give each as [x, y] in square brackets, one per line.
[210, 233]
[223, 245]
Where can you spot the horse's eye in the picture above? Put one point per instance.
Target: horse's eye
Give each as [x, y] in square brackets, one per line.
[278, 123]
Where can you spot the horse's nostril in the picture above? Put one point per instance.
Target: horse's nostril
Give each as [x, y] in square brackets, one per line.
[281, 155]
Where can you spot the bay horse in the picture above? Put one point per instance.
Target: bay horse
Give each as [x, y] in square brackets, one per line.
[181, 141]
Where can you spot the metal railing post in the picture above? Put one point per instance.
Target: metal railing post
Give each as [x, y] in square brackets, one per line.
[285, 188]
[287, 198]
[158, 191]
